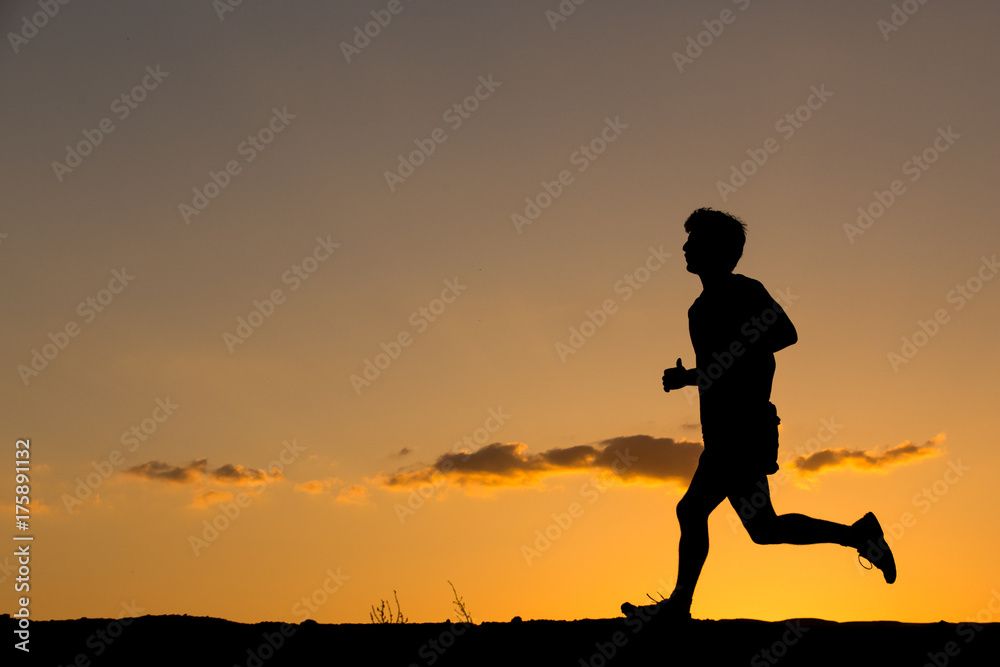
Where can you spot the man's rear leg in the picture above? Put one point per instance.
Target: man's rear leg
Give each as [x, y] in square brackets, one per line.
[753, 505]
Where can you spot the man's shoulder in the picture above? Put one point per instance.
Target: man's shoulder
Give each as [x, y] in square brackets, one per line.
[749, 289]
[738, 285]
[743, 282]
[739, 289]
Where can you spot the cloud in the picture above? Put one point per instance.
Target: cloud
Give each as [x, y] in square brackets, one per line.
[211, 497]
[159, 471]
[196, 474]
[828, 459]
[37, 508]
[316, 486]
[632, 458]
[237, 474]
[354, 494]
[197, 471]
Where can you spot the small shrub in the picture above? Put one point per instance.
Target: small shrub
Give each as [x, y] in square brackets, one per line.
[463, 613]
[383, 613]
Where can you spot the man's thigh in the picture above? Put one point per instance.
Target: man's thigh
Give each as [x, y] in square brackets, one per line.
[750, 496]
[708, 487]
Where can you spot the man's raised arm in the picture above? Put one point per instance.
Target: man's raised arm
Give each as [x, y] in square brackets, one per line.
[782, 333]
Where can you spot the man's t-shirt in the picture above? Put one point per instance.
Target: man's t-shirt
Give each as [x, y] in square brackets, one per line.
[735, 328]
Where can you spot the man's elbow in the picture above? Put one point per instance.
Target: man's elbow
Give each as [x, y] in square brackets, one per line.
[786, 338]
[791, 338]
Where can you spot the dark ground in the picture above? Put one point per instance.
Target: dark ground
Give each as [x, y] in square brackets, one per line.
[187, 641]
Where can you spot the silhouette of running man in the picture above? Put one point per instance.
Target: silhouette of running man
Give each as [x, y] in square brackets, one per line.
[736, 327]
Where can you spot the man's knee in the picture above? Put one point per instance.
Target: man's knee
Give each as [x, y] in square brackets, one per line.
[689, 512]
[683, 510]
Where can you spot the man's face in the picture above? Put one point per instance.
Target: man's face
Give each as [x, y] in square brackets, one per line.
[702, 255]
[695, 252]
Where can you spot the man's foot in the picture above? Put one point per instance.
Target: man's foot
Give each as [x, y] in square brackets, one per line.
[669, 609]
[871, 545]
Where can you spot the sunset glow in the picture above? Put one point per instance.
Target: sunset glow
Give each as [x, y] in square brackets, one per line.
[300, 311]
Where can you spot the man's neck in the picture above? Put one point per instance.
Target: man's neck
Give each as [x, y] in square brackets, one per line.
[709, 280]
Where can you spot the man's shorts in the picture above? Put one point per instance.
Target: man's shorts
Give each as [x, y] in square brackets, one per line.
[744, 443]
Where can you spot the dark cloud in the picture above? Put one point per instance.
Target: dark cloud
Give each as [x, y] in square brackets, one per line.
[632, 458]
[197, 471]
[236, 474]
[858, 458]
[655, 458]
[163, 472]
[571, 457]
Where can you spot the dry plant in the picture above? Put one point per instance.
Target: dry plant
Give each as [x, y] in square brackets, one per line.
[383, 613]
[463, 613]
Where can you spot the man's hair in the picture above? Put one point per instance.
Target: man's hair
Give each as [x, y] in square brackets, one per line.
[728, 233]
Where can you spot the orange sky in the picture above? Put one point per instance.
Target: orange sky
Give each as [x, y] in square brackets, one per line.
[292, 324]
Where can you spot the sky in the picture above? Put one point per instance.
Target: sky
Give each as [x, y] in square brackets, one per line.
[298, 316]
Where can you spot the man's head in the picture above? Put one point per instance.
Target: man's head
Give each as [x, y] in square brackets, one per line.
[715, 241]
